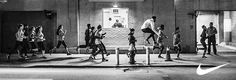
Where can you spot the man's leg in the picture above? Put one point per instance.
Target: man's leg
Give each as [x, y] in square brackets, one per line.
[209, 46]
[161, 50]
[214, 47]
[148, 30]
[205, 48]
[178, 50]
[87, 42]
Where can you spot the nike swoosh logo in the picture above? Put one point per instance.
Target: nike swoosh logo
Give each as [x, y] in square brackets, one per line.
[202, 72]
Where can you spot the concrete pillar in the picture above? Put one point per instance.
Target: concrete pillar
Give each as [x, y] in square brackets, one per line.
[117, 56]
[147, 56]
[227, 27]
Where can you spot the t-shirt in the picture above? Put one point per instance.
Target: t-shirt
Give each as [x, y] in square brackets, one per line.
[149, 23]
[40, 37]
[160, 36]
[61, 35]
[20, 36]
[176, 38]
[211, 31]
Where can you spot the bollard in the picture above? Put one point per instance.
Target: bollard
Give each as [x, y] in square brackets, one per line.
[147, 56]
[117, 56]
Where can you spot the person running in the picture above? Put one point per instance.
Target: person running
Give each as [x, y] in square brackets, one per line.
[19, 41]
[26, 44]
[87, 35]
[160, 42]
[203, 39]
[92, 41]
[211, 32]
[177, 41]
[61, 39]
[99, 36]
[149, 27]
[32, 40]
[40, 40]
[132, 48]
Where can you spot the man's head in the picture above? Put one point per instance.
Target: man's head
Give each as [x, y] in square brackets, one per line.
[203, 27]
[92, 28]
[131, 31]
[154, 18]
[211, 24]
[88, 26]
[99, 27]
[177, 29]
[162, 27]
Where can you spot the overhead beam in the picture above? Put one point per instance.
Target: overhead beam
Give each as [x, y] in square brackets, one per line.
[116, 0]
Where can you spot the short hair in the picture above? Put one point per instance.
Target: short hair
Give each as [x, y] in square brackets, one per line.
[177, 28]
[154, 17]
[88, 25]
[162, 27]
[203, 26]
[92, 28]
[20, 25]
[99, 27]
[211, 22]
[132, 29]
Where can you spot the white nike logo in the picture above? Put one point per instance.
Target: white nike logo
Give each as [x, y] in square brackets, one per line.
[202, 72]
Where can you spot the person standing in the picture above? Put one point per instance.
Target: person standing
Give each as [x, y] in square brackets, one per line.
[177, 41]
[149, 27]
[211, 32]
[61, 39]
[203, 39]
[87, 35]
[40, 40]
[132, 48]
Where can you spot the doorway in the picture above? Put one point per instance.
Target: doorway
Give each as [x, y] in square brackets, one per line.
[204, 18]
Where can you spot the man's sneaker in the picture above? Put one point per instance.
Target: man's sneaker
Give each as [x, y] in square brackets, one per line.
[68, 54]
[103, 60]
[208, 53]
[160, 57]
[204, 57]
[91, 58]
[44, 57]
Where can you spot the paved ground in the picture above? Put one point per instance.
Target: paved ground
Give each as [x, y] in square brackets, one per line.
[81, 60]
[140, 73]
[78, 67]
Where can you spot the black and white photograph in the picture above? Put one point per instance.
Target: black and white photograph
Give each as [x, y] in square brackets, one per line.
[117, 39]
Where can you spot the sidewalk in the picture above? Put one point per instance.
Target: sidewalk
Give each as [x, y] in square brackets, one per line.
[82, 61]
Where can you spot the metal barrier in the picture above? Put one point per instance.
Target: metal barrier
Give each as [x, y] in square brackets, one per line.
[117, 56]
[147, 55]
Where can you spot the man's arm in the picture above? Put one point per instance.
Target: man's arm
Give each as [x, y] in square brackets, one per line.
[215, 31]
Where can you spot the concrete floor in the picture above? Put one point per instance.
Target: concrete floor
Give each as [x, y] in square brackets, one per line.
[149, 73]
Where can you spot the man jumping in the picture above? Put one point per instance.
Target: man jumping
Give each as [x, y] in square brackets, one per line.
[149, 27]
